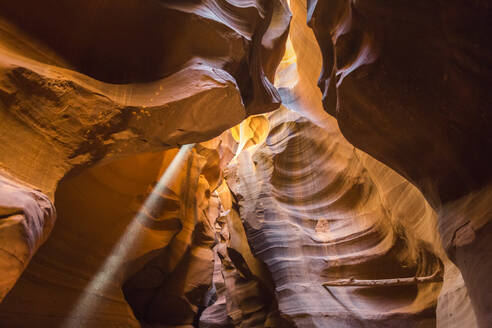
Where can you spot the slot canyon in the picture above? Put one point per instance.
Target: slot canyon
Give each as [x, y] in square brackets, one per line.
[245, 163]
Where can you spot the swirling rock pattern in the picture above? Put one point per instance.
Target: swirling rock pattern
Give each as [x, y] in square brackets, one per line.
[337, 238]
[242, 291]
[313, 214]
[409, 81]
[241, 298]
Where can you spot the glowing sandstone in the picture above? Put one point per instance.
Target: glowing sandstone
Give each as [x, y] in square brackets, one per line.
[315, 233]
[88, 82]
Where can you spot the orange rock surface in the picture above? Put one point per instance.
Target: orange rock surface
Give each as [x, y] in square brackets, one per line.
[244, 163]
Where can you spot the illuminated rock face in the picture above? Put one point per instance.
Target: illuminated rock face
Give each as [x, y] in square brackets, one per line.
[191, 253]
[278, 222]
[90, 82]
[94, 210]
[408, 82]
[27, 217]
[315, 212]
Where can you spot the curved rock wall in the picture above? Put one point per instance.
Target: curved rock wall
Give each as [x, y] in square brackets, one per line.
[315, 232]
[26, 219]
[93, 212]
[89, 82]
[187, 264]
[314, 216]
[407, 82]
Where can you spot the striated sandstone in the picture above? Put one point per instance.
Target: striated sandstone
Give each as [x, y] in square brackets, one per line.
[279, 221]
[408, 83]
[313, 214]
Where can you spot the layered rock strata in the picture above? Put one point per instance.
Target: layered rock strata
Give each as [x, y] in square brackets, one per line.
[407, 82]
[241, 295]
[316, 233]
[314, 215]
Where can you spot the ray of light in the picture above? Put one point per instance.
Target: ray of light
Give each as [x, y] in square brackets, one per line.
[95, 290]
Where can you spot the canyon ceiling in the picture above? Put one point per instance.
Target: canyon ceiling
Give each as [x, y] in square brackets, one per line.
[245, 163]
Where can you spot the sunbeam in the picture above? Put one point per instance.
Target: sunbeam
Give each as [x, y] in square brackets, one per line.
[101, 281]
